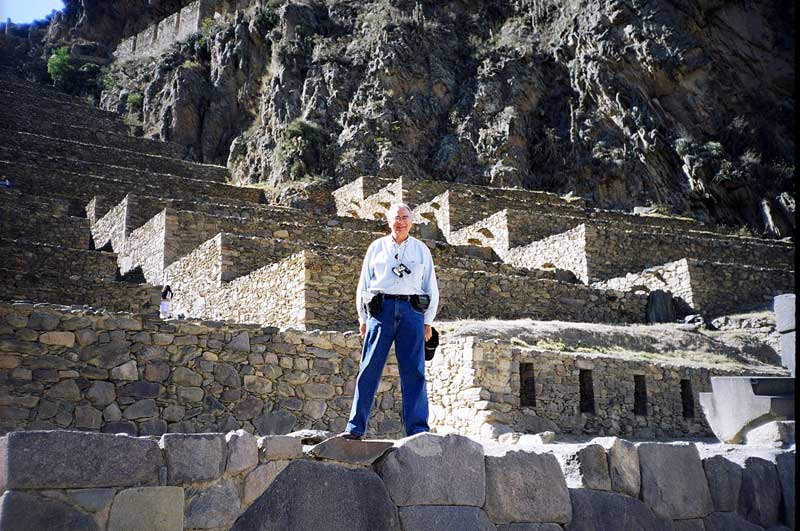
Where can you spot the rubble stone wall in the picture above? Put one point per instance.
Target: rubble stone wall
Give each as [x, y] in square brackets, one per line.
[113, 296]
[475, 390]
[70, 368]
[61, 230]
[612, 252]
[18, 255]
[564, 251]
[726, 288]
[235, 480]
[708, 287]
[176, 27]
[145, 248]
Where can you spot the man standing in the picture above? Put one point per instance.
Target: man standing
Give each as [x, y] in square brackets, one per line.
[396, 299]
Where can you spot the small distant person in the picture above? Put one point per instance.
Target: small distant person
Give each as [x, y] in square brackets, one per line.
[166, 302]
[5, 183]
[397, 298]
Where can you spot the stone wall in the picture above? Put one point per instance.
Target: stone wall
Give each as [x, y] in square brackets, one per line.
[71, 368]
[475, 390]
[449, 483]
[61, 230]
[62, 289]
[84, 183]
[710, 288]
[611, 252]
[322, 284]
[145, 250]
[564, 251]
[175, 28]
[18, 255]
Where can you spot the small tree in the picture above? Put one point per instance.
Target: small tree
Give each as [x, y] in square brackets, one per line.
[60, 67]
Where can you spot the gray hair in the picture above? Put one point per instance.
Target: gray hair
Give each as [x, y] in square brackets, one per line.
[392, 212]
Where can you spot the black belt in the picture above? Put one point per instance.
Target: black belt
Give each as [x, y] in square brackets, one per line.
[398, 297]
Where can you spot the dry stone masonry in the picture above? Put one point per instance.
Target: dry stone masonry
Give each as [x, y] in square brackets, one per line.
[234, 480]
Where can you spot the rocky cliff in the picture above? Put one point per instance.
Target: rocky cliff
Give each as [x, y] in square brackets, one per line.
[684, 105]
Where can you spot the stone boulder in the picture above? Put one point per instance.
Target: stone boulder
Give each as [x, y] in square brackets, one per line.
[23, 511]
[302, 497]
[674, 485]
[525, 487]
[444, 518]
[760, 495]
[429, 469]
[594, 510]
[70, 459]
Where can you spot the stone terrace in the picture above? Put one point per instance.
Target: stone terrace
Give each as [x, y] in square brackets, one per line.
[98, 217]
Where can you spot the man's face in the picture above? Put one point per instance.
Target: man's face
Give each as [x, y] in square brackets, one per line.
[400, 223]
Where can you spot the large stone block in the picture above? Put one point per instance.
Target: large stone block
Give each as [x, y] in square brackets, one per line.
[22, 511]
[788, 344]
[429, 469]
[728, 522]
[673, 482]
[213, 507]
[724, 482]
[194, 457]
[784, 307]
[595, 510]
[583, 467]
[785, 464]
[623, 465]
[525, 487]
[242, 451]
[146, 509]
[760, 495]
[275, 447]
[69, 459]
[301, 497]
[444, 518]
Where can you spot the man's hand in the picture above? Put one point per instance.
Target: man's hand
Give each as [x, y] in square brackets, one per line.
[363, 329]
[428, 332]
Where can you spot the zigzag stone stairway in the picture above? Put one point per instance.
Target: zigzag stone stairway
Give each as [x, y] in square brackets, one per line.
[97, 220]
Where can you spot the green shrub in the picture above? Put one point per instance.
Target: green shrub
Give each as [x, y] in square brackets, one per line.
[134, 102]
[60, 66]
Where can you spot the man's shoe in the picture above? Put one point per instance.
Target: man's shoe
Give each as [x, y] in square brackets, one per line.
[350, 436]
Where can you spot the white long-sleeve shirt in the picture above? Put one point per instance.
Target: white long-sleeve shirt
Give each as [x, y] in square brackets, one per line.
[377, 276]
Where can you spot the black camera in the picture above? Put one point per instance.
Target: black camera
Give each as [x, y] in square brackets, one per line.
[400, 270]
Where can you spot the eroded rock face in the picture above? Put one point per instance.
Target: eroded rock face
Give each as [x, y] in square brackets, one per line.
[684, 105]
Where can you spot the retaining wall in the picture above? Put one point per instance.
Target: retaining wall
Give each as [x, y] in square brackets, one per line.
[70, 480]
[710, 288]
[78, 369]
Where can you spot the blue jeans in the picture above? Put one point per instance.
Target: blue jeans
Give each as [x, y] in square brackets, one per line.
[397, 322]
